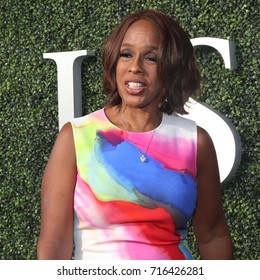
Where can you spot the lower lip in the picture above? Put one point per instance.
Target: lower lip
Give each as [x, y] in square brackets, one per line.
[134, 91]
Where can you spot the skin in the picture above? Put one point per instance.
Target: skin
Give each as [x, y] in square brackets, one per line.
[210, 227]
[139, 108]
[56, 235]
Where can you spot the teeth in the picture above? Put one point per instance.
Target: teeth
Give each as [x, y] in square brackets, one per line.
[135, 85]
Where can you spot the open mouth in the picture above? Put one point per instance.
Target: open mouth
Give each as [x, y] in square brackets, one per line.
[134, 87]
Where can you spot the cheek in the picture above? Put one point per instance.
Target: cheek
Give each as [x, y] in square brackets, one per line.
[118, 72]
[155, 78]
[153, 73]
[120, 67]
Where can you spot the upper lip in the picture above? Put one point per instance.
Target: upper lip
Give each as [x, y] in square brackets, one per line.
[135, 81]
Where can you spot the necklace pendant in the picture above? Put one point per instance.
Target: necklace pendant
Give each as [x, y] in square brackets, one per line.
[143, 158]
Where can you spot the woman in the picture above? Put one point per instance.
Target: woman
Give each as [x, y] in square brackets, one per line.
[124, 181]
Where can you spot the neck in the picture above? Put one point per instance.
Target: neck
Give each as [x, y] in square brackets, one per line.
[139, 120]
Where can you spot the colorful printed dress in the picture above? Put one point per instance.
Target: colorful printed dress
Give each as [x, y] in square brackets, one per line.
[126, 208]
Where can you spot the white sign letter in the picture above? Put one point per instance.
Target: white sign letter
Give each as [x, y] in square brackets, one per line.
[69, 82]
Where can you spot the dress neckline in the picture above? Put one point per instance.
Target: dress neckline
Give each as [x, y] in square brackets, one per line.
[132, 132]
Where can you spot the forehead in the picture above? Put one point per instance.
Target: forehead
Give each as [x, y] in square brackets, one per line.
[141, 30]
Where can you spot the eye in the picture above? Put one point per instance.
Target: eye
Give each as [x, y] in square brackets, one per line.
[151, 58]
[125, 54]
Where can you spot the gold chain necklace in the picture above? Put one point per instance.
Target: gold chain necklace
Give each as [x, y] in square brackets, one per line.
[143, 156]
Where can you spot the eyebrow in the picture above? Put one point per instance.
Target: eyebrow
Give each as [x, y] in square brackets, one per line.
[150, 47]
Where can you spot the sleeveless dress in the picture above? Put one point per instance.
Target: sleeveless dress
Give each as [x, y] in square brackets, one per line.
[126, 208]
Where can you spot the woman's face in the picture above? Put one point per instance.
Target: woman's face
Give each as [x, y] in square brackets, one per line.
[136, 71]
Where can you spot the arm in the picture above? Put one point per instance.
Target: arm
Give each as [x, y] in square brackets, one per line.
[56, 234]
[209, 223]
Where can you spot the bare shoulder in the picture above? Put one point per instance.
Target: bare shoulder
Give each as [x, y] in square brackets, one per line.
[204, 139]
[209, 195]
[64, 143]
[63, 157]
[207, 174]
[66, 133]
[60, 171]
[206, 154]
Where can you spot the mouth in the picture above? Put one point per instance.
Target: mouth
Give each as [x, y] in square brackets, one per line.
[134, 87]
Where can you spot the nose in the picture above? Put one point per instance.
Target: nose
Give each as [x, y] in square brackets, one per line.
[136, 66]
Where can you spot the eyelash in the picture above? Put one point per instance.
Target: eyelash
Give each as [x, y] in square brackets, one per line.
[154, 59]
[124, 54]
[128, 55]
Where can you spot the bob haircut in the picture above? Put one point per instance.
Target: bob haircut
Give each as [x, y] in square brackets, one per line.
[176, 64]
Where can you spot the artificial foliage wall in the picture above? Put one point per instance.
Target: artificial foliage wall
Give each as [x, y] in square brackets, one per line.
[28, 98]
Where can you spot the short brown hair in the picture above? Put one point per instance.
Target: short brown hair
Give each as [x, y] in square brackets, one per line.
[177, 67]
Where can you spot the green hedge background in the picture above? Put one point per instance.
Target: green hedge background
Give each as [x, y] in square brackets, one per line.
[28, 98]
